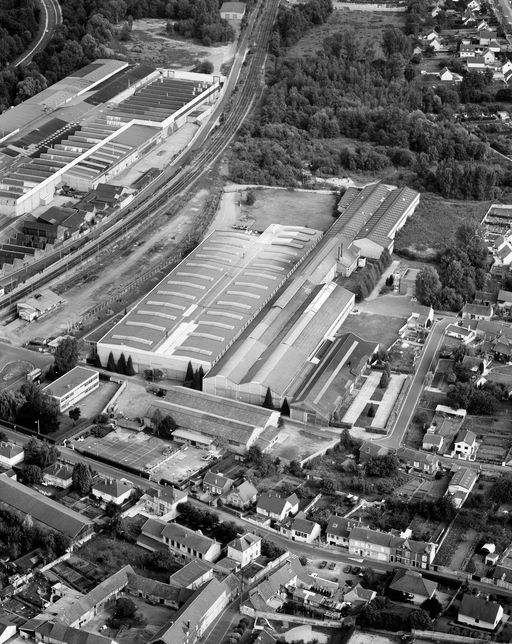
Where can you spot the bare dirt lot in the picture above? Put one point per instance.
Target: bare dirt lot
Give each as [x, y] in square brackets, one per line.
[275, 206]
[150, 43]
[16, 362]
[296, 443]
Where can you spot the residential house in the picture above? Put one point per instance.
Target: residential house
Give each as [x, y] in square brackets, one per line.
[432, 35]
[486, 37]
[217, 483]
[302, 529]
[245, 549]
[462, 333]
[479, 612]
[179, 539]
[359, 596]
[448, 76]
[505, 301]
[270, 594]
[56, 633]
[164, 502]
[503, 571]
[338, 530]
[11, 454]
[502, 251]
[465, 446]
[416, 460]
[112, 490]
[477, 365]
[58, 475]
[383, 546]
[473, 5]
[477, 312]
[232, 10]
[432, 442]
[242, 496]
[501, 349]
[411, 585]
[371, 450]
[462, 482]
[273, 506]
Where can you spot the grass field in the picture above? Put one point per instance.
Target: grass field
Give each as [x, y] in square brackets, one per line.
[274, 206]
[435, 220]
[367, 24]
[374, 328]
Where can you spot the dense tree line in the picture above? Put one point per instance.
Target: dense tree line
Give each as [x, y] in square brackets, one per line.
[18, 536]
[347, 89]
[19, 24]
[381, 613]
[30, 407]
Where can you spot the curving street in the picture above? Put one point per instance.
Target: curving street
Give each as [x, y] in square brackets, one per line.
[52, 16]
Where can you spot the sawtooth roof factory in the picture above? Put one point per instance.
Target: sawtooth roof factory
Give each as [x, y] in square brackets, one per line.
[197, 311]
[91, 126]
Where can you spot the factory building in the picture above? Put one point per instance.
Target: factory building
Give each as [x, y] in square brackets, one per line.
[89, 127]
[202, 306]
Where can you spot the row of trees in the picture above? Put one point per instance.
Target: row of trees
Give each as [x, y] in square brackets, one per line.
[123, 365]
[18, 536]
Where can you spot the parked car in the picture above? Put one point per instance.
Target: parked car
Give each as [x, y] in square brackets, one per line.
[347, 569]
[322, 564]
[349, 582]
[356, 570]
[332, 565]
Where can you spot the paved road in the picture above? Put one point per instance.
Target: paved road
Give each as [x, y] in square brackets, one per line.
[52, 16]
[395, 437]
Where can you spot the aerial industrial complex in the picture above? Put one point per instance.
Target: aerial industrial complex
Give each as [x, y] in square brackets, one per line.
[91, 126]
[263, 313]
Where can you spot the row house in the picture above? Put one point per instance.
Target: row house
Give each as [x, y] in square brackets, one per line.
[383, 546]
[180, 540]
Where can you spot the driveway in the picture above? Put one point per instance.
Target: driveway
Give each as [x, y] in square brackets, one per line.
[394, 439]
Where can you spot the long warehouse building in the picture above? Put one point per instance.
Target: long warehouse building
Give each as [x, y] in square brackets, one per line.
[203, 305]
[91, 126]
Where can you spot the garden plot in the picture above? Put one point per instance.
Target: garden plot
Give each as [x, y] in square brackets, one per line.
[494, 437]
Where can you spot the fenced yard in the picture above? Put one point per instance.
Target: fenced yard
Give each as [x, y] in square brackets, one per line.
[493, 434]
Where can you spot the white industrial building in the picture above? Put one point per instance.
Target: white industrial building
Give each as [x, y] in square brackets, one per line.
[203, 305]
[61, 136]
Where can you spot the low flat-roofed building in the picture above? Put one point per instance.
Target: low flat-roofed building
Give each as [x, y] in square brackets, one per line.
[193, 574]
[287, 340]
[202, 418]
[74, 385]
[202, 306]
[44, 510]
[38, 304]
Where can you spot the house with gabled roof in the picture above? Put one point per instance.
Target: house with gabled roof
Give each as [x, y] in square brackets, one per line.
[112, 490]
[477, 311]
[274, 506]
[420, 461]
[11, 454]
[189, 544]
[413, 586]
[216, 483]
[359, 596]
[385, 546]
[301, 529]
[58, 475]
[479, 612]
[371, 450]
[462, 482]
[460, 332]
[338, 530]
[245, 549]
[242, 496]
[465, 446]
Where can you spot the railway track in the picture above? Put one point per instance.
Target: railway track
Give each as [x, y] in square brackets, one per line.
[165, 192]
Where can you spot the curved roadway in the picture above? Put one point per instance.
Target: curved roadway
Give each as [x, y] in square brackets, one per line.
[52, 17]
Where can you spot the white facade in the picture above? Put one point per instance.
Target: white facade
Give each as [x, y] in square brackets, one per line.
[245, 549]
[11, 454]
[70, 388]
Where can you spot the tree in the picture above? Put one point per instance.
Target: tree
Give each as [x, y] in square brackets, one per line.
[82, 478]
[371, 411]
[129, 371]
[10, 404]
[285, 408]
[66, 355]
[250, 198]
[166, 426]
[432, 606]
[40, 453]
[384, 380]
[268, 403]
[31, 474]
[428, 286]
[189, 376]
[75, 414]
[124, 608]
[381, 466]
[121, 364]
[205, 67]
[39, 408]
[111, 363]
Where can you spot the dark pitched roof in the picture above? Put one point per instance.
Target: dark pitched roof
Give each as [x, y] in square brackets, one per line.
[409, 581]
[479, 608]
